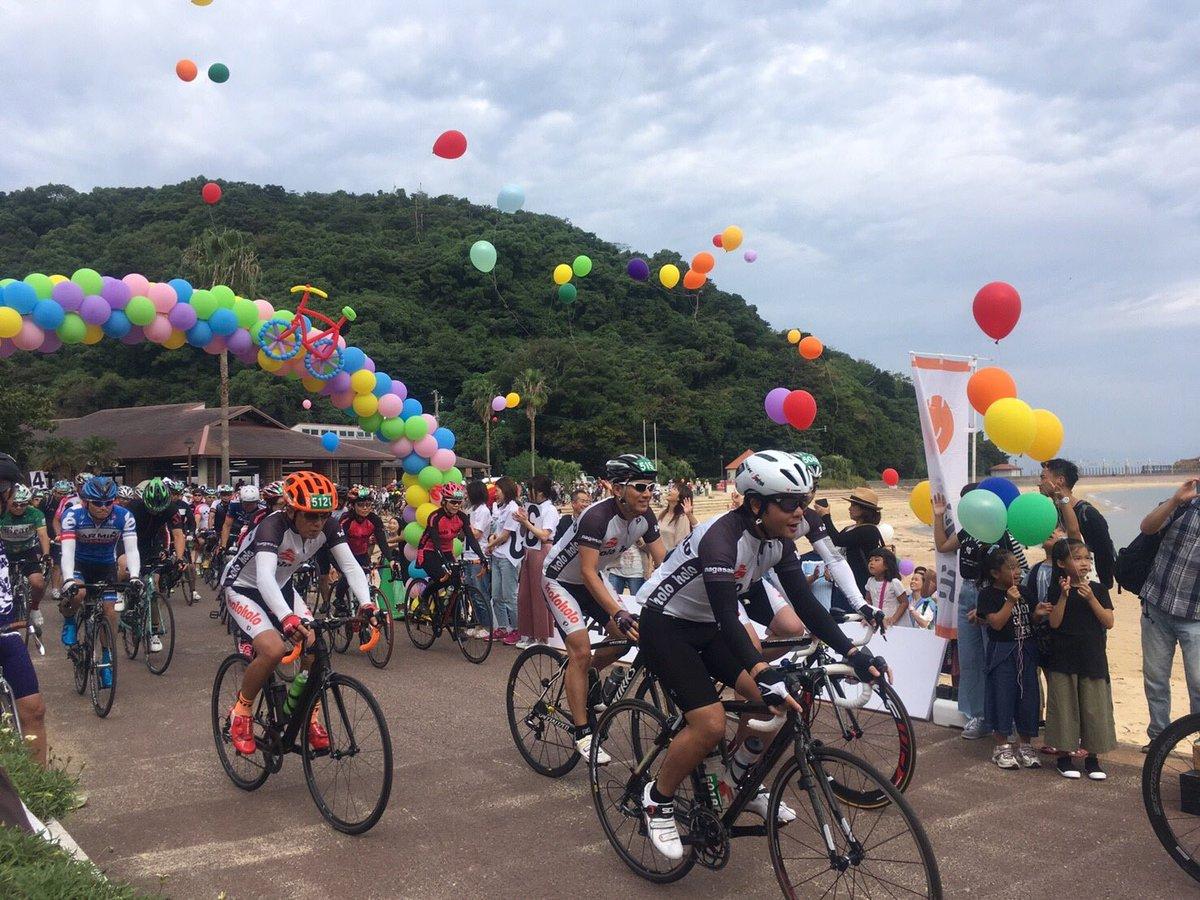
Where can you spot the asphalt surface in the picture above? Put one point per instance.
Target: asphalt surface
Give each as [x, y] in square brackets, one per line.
[468, 818]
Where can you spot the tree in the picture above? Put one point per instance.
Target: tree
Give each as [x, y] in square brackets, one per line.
[531, 385]
[672, 468]
[477, 392]
[98, 453]
[23, 413]
[59, 456]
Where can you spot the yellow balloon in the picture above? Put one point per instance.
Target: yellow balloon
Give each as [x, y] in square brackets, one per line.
[408, 480]
[668, 275]
[362, 382]
[268, 364]
[424, 511]
[562, 273]
[58, 279]
[201, 2]
[312, 385]
[1048, 437]
[920, 501]
[512, 400]
[794, 336]
[10, 322]
[731, 238]
[93, 335]
[176, 340]
[365, 404]
[416, 496]
[1011, 425]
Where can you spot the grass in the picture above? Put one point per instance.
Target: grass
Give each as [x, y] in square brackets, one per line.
[49, 793]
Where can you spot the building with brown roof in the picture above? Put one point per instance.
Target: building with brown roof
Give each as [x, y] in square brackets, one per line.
[731, 466]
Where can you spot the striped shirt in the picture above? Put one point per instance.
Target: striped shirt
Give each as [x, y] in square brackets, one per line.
[1173, 584]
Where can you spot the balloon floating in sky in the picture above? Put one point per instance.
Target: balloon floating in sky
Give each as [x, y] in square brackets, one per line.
[668, 275]
[450, 145]
[997, 308]
[567, 293]
[988, 385]
[306, 403]
[694, 280]
[890, 477]
[211, 193]
[810, 347]
[773, 404]
[218, 73]
[731, 238]
[186, 70]
[498, 403]
[329, 441]
[703, 262]
[511, 198]
[202, 2]
[562, 273]
[483, 256]
[717, 240]
[1011, 425]
[638, 269]
[800, 409]
[750, 255]
[794, 335]
[582, 265]
[512, 400]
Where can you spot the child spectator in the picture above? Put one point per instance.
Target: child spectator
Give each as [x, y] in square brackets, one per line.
[922, 607]
[884, 589]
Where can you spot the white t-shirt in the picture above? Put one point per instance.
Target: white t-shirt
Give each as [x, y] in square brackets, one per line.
[886, 595]
[203, 516]
[543, 515]
[513, 547]
[481, 521]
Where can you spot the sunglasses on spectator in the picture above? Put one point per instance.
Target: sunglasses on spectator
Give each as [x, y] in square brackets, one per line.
[454, 503]
[641, 487]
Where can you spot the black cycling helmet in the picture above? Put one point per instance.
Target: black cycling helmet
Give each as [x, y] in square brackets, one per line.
[10, 472]
[100, 488]
[627, 467]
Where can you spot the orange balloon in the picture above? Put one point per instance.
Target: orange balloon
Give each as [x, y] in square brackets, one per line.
[694, 280]
[186, 70]
[811, 347]
[703, 262]
[989, 385]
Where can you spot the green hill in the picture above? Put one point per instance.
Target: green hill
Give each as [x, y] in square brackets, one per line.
[624, 352]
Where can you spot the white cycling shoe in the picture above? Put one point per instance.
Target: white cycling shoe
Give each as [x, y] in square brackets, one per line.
[195, 596]
[155, 644]
[759, 804]
[660, 825]
[584, 746]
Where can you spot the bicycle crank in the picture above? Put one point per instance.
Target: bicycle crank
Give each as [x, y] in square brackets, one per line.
[709, 838]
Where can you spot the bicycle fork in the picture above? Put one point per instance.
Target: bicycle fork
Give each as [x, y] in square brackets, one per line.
[812, 780]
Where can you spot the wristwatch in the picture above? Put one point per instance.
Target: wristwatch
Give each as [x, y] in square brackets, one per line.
[1065, 501]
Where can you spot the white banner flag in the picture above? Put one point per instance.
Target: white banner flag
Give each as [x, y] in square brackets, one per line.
[941, 385]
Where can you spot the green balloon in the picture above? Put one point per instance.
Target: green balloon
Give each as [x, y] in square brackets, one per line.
[567, 293]
[982, 514]
[284, 315]
[5, 282]
[89, 280]
[582, 265]
[204, 303]
[246, 312]
[370, 424]
[41, 284]
[412, 533]
[393, 428]
[453, 475]
[1031, 518]
[429, 478]
[225, 296]
[483, 256]
[218, 73]
[415, 428]
[458, 547]
[73, 329]
[140, 310]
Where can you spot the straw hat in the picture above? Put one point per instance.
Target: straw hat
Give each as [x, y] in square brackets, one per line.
[865, 497]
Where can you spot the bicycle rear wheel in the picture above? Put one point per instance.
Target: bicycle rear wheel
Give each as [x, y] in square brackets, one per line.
[247, 772]
[8, 709]
[468, 626]
[352, 780]
[102, 695]
[539, 717]
[887, 853]
[157, 662]
[419, 612]
[382, 651]
[630, 731]
[1171, 789]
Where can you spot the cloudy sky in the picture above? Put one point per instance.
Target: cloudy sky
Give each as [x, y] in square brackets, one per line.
[884, 159]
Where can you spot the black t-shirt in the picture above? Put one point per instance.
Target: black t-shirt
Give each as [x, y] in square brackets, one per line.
[1019, 625]
[185, 515]
[1094, 528]
[154, 529]
[972, 553]
[1080, 642]
[856, 542]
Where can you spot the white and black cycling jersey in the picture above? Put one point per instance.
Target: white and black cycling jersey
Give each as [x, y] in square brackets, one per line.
[602, 528]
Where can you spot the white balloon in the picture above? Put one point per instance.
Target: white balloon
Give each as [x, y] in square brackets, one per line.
[511, 198]
[887, 532]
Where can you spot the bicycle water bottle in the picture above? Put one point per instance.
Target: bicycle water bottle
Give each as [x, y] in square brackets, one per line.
[294, 692]
[735, 773]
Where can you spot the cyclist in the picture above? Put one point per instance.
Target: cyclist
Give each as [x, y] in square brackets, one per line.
[27, 545]
[576, 591]
[159, 529]
[363, 527]
[125, 495]
[90, 537]
[260, 597]
[272, 495]
[186, 516]
[240, 514]
[690, 633]
[202, 507]
[50, 506]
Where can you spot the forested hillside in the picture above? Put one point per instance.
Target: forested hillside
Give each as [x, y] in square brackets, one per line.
[623, 352]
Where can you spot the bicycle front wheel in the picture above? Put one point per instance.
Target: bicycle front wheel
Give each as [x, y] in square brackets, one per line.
[419, 612]
[131, 632]
[538, 714]
[382, 651]
[473, 639]
[157, 661]
[103, 667]
[351, 780]
[880, 851]
[1171, 791]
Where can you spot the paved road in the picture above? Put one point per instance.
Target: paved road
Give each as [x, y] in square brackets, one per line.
[468, 818]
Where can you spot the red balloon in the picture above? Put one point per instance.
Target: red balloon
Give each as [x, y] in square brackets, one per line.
[891, 477]
[997, 307]
[450, 145]
[718, 240]
[800, 409]
[211, 193]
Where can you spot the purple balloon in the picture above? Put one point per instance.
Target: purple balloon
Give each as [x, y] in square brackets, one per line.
[115, 291]
[68, 295]
[399, 389]
[369, 364]
[51, 343]
[498, 403]
[135, 335]
[750, 255]
[239, 342]
[182, 316]
[907, 567]
[638, 269]
[7, 348]
[409, 514]
[94, 310]
[773, 404]
[340, 383]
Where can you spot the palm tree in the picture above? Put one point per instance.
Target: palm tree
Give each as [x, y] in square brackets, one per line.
[478, 390]
[60, 456]
[224, 256]
[531, 385]
[98, 452]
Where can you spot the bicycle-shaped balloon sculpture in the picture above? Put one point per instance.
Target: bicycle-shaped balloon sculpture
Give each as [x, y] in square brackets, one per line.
[282, 340]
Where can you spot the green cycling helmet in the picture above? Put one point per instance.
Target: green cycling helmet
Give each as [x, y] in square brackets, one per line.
[156, 495]
[811, 463]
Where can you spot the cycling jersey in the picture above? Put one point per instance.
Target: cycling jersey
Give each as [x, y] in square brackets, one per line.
[87, 542]
[20, 533]
[203, 516]
[187, 518]
[361, 533]
[154, 528]
[219, 510]
[602, 528]
[443, 527]
[14, 658]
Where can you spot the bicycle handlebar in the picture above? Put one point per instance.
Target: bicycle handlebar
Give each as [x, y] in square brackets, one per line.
[331, 625]
[866, 689]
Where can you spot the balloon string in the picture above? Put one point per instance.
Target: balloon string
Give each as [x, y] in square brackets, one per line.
[516, 318]
[832, 387]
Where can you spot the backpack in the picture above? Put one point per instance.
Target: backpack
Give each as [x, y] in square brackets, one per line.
[1132, 567]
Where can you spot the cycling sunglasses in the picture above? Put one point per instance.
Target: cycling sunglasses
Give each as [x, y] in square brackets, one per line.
[641, 487]
[790, 503]
[315, 516]
[104, 504]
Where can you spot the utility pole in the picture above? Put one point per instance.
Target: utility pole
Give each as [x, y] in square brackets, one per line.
[656, 446]
[644, 437]
[437, 405]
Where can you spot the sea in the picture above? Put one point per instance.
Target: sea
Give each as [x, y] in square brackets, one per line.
[1126, 508]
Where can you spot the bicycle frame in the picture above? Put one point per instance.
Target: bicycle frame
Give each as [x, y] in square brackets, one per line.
[312, 341]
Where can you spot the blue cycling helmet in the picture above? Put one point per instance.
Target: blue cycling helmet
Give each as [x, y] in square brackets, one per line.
[100, 488]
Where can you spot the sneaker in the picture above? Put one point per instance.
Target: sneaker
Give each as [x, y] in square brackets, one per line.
[584, 746]
[318, 737]
[195, 596]
[1091, 765]
[155, 644]
[241, 734]
[106, 674]
[37, 619]
[660, 825]
[70, 632]
[758, 806]
[498, 634]
[511, 638]
[974, 729]
[1028, 757]
[523, 642]
[1004, 757]
[1066, 768]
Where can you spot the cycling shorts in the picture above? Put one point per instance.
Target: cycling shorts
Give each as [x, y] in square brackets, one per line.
[17, 666]
[572, 605]
[686, 657]
[95, 573]
[27, 562]
[763, 609]
[251, 614]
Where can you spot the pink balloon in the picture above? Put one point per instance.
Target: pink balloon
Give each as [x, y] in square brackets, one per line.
[399, 389]
[137, 284]
[306, 403]
[265, 309]
[498, 404]
[341, 342]
[7, 348]
[343, 400]
[390, 406]
[50, 344]
[159, 330]
[443, 459]
[215, 346]
[402, 447]
[30, 336]
[430, 421]
[426, 446]
[163, 296]
[410, 552]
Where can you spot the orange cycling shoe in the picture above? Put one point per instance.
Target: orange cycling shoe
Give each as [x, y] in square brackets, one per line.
[318, 737]
[241, 734]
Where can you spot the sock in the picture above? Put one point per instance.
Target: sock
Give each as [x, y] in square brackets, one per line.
[1064, 763]
[243, 707]
[658, 797]
[582, 731]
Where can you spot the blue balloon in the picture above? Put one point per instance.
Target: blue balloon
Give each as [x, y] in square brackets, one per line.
[223, 322]
[511, 198]
[329, 441]
[412, 407]
[199, 334]
[413, 464]
[47, 314]
[353, 359]
[445, 438]
[383, 384]
[350, 413]
[20, 296]
[183, 289]
[117, 325]
[1002, 488]
[415, 571]
[379, 437]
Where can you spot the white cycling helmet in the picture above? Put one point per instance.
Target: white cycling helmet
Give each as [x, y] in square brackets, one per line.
[772, 473]
[21, 494]
[248, 493]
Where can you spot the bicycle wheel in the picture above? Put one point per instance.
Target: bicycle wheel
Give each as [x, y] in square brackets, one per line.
[323, 367]
[1170, 785]
[630, 731]
[157, 662]
[8, 709]
[247, 772]
[886, 853]
[649, 691]
[81, 655]
[538, 714]
[419, 614]
[275, 344]
[883, 738]
[102, 696]
[340, 606]
[468, 627]
[351, 781]
[382, 651]
[129, 623]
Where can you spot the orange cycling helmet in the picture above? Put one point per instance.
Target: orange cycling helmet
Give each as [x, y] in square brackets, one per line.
[310, 492]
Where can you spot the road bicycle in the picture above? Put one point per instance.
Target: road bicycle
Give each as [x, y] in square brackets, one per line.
[94, 636]
[282, 340]
[1171, 791]
[454, 607]
[341, 604]
[212, 567]
[350, 782]
[137, 621]
[835, 846]
[9, 716]
[22, 596]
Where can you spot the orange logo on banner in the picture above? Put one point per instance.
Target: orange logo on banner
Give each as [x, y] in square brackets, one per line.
[942, 419]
